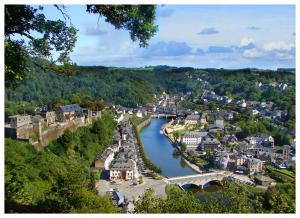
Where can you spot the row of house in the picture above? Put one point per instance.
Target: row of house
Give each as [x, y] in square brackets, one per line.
[279, 86]
[120, 159]
[211, 95]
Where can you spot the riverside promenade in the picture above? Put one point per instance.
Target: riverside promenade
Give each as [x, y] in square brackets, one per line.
[171, 138]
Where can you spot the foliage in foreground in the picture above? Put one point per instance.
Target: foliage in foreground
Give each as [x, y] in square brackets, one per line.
[57, 179]
[234, 198]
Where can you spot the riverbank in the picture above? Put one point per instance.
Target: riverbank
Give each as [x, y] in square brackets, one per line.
[175, 143]
[138, 126]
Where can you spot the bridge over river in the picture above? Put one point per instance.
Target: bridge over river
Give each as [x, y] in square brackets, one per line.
[198, 179]
[163, 115]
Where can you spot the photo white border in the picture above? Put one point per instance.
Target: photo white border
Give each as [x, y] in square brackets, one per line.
[183, 2]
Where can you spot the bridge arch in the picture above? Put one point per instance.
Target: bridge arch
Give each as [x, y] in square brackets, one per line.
[213, 181]
[188, 185]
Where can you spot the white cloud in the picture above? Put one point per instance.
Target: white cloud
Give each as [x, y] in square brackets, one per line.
[281, 45]
[252, 53]
[282, 55]
[246, 41]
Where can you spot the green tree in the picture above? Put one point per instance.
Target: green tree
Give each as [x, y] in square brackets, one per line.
[59, 36]
[183, 147]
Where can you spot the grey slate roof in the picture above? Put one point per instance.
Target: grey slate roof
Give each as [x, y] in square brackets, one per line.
[193, 117]
[105, 154]
[122, 164]
[194, 134]
[70, 107]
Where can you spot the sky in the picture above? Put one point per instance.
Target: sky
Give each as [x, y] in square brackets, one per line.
[201, 36]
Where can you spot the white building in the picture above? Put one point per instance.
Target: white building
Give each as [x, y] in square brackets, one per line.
[255, 112]
[119, 117]
[193, 138]
[139, 114]
[104, 160]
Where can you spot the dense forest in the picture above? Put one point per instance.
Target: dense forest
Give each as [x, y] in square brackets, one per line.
[135, 86]
[242, 84]
[234, 198]
[128, 87]
[58, 179]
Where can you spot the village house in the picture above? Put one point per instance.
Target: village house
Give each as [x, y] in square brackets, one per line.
[255, 112]
[49, 117]
[254, 165]
[193, 138]
[192, 119]
[19, 121]
[286, 152]
[222, 160]
[103, 161]
[217, 126]
[139, 114]
[241, 103]
[210, 144]
[69, 112]
[203, 118]
[20, 127]
[230, 139]
[240, 160]
[119, 117]
[122, 169]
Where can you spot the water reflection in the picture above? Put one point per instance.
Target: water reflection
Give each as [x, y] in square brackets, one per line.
[160, 151]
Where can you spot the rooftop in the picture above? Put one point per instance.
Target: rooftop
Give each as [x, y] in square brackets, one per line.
[122, 164]
[70, 107]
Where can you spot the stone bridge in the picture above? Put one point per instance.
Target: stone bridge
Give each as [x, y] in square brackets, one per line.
[161, 115]
[198, 179]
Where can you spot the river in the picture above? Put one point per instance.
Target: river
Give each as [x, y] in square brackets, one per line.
[160, 150]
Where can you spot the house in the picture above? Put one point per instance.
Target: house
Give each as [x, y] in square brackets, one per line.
[228, 116]
[103, 161]
[286, 152]
[193, 138]
[242, 103]
[257, 140]
[210, 144]
[69, 112]
[226, 99]
[49, 117]
[122, 169]
[139, 114]
[222, 161]
[255, 112]
[254, 165]
[240, 160]
[87, 113]
[278, 163]
[203, 118]
[119, 117]
[269, 141]
[230, 139]
[192, 119]
[19, 120]
[217, 126]
[264, 180]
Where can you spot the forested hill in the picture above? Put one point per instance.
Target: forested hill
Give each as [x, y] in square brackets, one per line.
[132, 86]
[125, 86]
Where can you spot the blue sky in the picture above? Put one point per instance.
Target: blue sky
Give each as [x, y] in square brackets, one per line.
[228, 36]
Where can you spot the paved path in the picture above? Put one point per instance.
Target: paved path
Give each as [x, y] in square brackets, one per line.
[131, 191]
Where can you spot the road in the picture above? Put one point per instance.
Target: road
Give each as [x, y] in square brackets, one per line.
[133, 191]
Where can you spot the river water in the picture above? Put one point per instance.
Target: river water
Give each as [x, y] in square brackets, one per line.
[160, 150]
